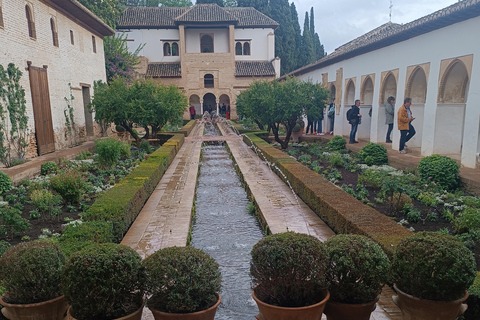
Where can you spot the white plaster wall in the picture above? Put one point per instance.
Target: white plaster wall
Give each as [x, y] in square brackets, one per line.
[153, 44]
[259, 44]
[67, 63]
[451, 41]
[220, 40]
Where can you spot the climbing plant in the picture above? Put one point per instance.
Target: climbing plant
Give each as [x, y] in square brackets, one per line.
[13, 118]
[70, 127]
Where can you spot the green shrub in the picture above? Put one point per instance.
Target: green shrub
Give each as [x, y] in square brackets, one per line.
[467, 220]
[31, 271]
[414, 215]
[11, 221]
[470, 201]
[298, 276]
[108, 152]
[48, 167]
[84, 155]
[4, 246]
[473, 301]
[5, 183]
[183, 274]
[335, 159]
[372, 178]
[441, 170]
[337, 143]
[398, 201]
[145, 146]
[78, 235]
[125, 151]
[358, 269]
[103, 281]
[433, 266]
[373, 154]
[44, 200]
[305, 159]
[69, 185]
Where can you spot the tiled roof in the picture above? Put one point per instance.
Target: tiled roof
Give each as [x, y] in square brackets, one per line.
[254, 69]
[164, 17]
[206, 13]
[162, 70]
[391, 33]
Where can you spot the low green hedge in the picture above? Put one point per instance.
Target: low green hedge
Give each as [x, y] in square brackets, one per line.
[119, 207]
[473, 301]
[346, 216]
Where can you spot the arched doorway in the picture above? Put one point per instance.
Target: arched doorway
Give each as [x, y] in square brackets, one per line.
[417, 90]
[450, 114]
[224, 101]
[389, 89]
[366, 97]
[349, 101]
[195, 101]
[209, 102]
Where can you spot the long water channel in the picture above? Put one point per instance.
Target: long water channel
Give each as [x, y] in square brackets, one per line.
[226, 230]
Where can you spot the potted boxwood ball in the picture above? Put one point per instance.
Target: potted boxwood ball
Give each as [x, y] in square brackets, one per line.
[432, 273]
[182, 283]
[104, 281]
[30, 273]
[288, 272]
[358, 269]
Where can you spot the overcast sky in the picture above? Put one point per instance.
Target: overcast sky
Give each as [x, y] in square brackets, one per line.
[340, 21]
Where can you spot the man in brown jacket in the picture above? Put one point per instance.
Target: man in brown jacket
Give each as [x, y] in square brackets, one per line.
[405, 118]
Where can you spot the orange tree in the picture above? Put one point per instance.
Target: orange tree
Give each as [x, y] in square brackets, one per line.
[281, 103]
[143, 103]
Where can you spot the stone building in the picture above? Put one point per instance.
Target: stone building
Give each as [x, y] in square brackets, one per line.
[58, 46]
[212, 53]
[435, 60]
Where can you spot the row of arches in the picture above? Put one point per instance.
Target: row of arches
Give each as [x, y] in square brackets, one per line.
[208, 102]
[450, 104]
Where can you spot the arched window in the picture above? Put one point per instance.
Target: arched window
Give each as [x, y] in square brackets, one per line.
[208, 81]
[206, 44]
[166, 49]
[246, 49]
[54, 32]
[238, 48]
[30, 22]
[94, 45]
[174, 49]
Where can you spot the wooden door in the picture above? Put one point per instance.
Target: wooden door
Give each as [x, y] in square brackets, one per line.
[88, 114]
[41, 110]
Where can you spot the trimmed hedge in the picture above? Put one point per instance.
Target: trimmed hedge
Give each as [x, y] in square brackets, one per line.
[109, 218]
[473, 301]
[123, 202]
[346, 216]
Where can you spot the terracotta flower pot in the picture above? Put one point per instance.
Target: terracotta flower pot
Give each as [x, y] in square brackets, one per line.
[208, 314]
[137, 315]
[271, 312]
[413, 308]
[348, 311]
[54, 309]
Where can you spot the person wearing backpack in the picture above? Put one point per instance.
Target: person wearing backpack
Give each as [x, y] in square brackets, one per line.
[331, 114]
[354, 118]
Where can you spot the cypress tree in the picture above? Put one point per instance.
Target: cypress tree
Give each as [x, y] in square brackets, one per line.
[308, 49]
[298, 36]
[319, 51]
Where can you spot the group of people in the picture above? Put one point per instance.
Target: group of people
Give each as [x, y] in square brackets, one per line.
[314, 124]
[404, 121]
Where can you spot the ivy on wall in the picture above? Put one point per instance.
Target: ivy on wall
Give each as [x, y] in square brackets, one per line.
[13, 118]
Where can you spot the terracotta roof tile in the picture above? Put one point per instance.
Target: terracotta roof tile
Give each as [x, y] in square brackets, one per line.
[254, 69]
[162, 70]
[164, 17]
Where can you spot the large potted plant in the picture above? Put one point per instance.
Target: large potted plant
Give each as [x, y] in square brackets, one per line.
[182, 283]
[358, 269]
[30, 273]
[288, 273]
[104, 281]
[432, 272]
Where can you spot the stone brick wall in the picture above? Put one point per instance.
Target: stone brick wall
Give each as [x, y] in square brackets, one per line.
[76, 63]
